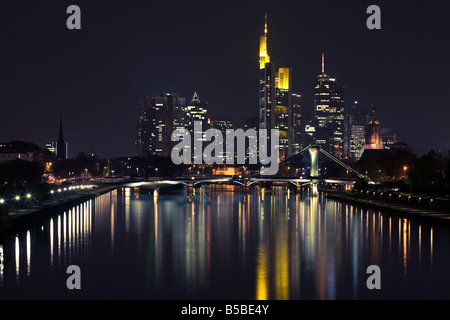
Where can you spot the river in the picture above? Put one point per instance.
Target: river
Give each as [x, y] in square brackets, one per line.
[224, 244]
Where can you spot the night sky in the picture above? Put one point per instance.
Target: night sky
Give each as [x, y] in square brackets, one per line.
[94, 77]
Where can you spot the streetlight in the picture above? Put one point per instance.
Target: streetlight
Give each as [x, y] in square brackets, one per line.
[2, 201]
[28, 196]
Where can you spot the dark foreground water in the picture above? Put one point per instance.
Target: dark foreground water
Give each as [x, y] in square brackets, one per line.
[225, 245]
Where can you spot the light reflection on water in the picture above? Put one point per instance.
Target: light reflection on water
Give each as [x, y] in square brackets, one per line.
[224, 244]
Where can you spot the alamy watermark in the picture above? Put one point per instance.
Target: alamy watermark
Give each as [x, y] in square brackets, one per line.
[219, 151]
[374, 21]
[74, 280]
[73, 22]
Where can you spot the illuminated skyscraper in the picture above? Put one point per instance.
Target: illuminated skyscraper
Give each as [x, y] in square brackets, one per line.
[357, 117]
[145, 140]
[196, 111]
[329, 110]
[296, 125]
[266, 84]
[274, 96]
[159, 117]
[283, 109]
[357, 141]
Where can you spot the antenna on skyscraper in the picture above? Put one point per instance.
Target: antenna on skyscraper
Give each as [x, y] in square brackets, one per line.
[265, 26]
[323, 63]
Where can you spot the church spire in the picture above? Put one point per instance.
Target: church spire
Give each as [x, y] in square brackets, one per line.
[374, 115]
[61, 145]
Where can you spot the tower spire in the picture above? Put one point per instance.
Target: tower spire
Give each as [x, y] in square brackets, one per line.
[263, 54]
[265, 26]
[323, 63]
[195, 98]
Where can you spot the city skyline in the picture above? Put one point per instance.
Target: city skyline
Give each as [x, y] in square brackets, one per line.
[94, 77]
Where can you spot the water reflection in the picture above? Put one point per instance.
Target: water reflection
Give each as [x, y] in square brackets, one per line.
[44, 248]
[222, 243]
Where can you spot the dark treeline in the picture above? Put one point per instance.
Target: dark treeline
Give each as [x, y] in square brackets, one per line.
[427, 175]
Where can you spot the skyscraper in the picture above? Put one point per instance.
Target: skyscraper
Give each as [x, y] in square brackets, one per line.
[159, 117]
[274, 96]
[329, 111]
[296, 143]
[196, 111]
[146, 135]
[357, 117]
[283, 108]
[266, 84]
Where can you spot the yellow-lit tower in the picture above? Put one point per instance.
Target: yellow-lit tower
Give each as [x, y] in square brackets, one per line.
[274, 96]
[282, 109]
[263, 54]
[266, 83]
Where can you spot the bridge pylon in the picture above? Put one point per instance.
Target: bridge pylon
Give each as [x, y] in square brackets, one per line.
[246, 186]
[190, 188]
[314, 156]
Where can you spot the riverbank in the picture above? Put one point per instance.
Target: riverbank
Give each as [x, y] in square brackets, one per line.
[22, 218]
[396, 208]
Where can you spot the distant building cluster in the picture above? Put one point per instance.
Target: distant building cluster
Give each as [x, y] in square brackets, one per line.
[160, 116]
[343, 130]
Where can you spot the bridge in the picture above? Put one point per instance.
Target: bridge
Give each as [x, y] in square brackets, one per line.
[312, 181]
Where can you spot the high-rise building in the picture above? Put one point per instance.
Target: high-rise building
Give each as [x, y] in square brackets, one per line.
[373, 133]
[196, 111]
[251, 123]
[274, 96]
[296, 143]
[357, 141]
[357, 117]
[222, 124]
[329, 111]
[283, 109]
[266, 84]
[146, 133]
[159, 117]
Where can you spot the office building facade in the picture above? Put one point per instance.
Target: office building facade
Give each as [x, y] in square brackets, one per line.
[329, 113]
[158, 118]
